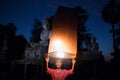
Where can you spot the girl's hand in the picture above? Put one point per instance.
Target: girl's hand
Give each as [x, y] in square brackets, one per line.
[47, 59]
[73, 61]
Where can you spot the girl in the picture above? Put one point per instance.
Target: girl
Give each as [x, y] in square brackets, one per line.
[59, 73]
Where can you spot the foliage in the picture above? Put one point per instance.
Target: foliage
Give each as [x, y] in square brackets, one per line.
[82, 30]
[36, 30]
[14, 44]
[111, 12]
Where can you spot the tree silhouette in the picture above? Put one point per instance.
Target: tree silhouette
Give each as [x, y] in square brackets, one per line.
[1, 37]
[117, 41]
[82, 30]
[15, 44]
[7, 34]
[35, 32]
[82, 18]
[111, 14]
[50, 22]
[117, 45]
[20, 44]
[10, 32]
[12, 45]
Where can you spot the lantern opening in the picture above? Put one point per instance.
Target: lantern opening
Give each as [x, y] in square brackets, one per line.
[60, 54]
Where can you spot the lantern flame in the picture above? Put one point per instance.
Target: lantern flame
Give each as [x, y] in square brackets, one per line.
[58, 46]
[60, 54]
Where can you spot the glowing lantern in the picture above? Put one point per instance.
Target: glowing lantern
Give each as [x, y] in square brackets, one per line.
[63, 39]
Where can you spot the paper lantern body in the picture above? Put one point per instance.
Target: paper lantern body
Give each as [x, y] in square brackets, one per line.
[63, 39]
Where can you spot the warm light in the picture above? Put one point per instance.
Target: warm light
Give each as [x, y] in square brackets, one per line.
[63, 37]
[60, 54]
[58, 46]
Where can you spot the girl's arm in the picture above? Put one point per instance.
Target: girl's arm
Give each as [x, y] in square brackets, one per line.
[47, 61]
[49, 70]
[73, 64]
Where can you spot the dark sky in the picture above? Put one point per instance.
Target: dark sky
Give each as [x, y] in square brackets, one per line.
[23, 13]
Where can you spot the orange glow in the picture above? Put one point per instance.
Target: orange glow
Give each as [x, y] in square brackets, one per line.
[63, 38]
[60, 54]
[58, 46]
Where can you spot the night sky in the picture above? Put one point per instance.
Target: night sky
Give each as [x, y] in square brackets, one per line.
[23, 13]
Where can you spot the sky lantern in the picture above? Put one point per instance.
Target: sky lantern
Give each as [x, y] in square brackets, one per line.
[63, 39]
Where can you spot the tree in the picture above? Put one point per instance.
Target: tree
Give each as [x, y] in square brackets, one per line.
[10, 31]
[117, 45]
[111, 14]
[82, 30]
[1, 37]
[20, 44]
[15, 44]
[35, 32]
[50, 21]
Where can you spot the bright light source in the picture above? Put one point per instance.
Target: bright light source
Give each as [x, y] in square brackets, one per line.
[60, 50]
[58, 46]
[60, 54]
